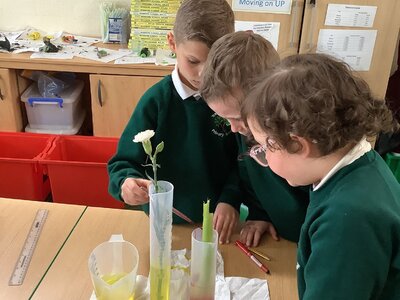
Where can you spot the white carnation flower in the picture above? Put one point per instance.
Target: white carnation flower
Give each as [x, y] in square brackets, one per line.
[143, 136]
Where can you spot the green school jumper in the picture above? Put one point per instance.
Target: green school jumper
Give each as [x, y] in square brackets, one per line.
[350, 242]
[281, 204]
[199, 157]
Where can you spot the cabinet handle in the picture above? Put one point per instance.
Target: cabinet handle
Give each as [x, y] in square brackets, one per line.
[313, 7]
[99, 93]
[293, 24]
[1, 95]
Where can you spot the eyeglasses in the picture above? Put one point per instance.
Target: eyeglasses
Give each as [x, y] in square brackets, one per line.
[257, 153]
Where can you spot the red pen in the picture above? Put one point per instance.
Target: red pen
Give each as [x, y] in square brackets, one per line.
[252, 257]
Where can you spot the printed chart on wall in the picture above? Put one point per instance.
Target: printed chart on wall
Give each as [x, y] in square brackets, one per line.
[263, 6]
[350, 15]
[355, 47]
[268, 30]
[151, 20]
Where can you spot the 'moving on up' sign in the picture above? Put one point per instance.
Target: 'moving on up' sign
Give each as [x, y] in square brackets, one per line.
[263, 6]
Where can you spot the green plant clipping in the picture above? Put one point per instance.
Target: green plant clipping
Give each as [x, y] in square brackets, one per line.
[207, 223]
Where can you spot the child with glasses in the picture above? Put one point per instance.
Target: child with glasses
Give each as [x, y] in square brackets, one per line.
[274, 206]
[313, 118]
[200, 152]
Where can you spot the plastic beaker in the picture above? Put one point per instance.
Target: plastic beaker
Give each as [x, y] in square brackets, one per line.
[203, 266]
[113, 267]
[160, 239]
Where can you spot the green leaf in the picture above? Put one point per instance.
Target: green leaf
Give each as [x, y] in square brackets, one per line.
[159, 148]
[147, 147]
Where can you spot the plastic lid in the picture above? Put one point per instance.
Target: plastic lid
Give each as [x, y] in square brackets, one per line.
[68, 95]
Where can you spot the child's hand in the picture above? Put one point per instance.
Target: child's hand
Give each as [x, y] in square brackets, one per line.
[134, 191]
[225, 220]
[253, 230]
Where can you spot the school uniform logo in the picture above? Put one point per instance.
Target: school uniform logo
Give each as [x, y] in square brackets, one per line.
[221, 126]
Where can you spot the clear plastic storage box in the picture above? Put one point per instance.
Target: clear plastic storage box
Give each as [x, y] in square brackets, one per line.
[63, 113]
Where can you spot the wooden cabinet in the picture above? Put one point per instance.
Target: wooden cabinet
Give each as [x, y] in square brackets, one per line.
[114, 89]
[113, 100]
[10, 112]
[387, 23]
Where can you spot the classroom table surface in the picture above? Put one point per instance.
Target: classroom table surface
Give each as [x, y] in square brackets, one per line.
[16, 218]
[69, 278]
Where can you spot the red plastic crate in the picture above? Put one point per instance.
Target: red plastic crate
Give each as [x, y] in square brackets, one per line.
[77, 168]
[21, 175]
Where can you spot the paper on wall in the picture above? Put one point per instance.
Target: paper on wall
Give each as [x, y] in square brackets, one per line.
[355, 47]
[263, 6]
[268, 30]
[350, 15]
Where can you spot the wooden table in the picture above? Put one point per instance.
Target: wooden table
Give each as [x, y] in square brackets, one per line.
[68, 277]
[16, 218]
[282, 282]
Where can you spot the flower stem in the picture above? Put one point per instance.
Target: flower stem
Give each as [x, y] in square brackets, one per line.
[154, 163]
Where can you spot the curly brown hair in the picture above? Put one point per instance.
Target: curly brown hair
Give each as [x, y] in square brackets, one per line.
[316, 97]
[203, 20]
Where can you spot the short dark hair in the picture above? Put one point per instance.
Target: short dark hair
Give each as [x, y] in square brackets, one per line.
[203, 20]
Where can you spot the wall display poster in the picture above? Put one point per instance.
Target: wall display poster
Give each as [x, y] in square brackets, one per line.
[151, 20]
[268, 30]
[355, 47]
[350, 15]
[263, 6]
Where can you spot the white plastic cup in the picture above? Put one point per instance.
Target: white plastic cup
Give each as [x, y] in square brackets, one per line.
[203, 266]
[113, 267]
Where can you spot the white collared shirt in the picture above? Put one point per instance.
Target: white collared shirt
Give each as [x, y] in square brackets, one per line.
[183, 90]
[359, 150]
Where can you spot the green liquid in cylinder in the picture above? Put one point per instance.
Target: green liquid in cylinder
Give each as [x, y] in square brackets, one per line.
[159, 283]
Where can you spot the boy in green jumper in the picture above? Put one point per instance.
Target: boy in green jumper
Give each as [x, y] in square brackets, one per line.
[311, 118]
[200, 152]
[274, 206]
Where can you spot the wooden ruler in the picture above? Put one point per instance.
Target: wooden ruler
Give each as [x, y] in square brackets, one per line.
[21, 267]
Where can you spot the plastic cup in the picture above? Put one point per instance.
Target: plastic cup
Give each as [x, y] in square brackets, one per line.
[113, 267]
[203, 266]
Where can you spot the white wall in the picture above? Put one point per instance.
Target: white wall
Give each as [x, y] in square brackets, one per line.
[80, 17]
